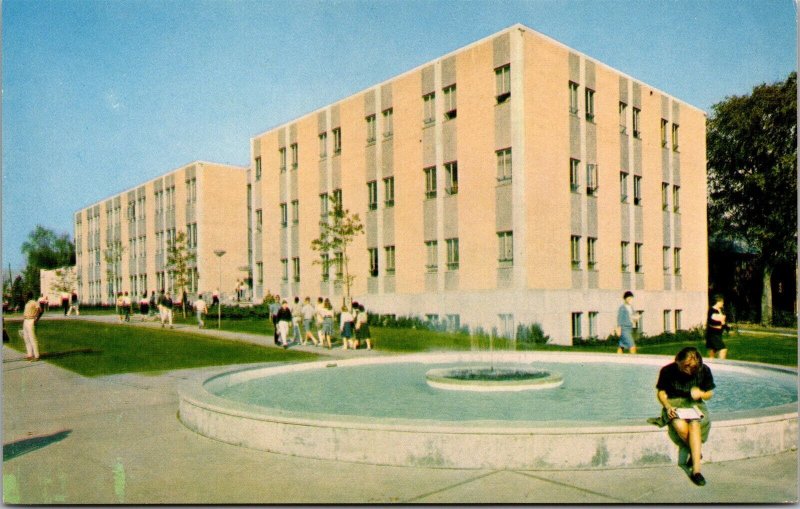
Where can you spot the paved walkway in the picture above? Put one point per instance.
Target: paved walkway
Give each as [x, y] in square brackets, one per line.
[69, 439]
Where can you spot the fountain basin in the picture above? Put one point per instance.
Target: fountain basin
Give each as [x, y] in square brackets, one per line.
[377, 411]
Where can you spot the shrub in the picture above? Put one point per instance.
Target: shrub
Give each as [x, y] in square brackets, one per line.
[532, 334]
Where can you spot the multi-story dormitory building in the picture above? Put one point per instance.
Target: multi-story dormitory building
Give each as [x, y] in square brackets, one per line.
[206, 201]
[509, 182]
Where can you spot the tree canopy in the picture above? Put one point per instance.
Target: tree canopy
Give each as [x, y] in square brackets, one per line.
[752, 174]
[44, 249]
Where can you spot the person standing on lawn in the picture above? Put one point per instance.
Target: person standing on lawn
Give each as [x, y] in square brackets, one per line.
[715, 326]
[31, 314]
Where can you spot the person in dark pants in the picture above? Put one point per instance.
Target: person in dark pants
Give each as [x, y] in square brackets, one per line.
[273, 311]
[715, 325]
[687, 384]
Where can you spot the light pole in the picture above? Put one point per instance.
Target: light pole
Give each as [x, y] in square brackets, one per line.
[219, 253]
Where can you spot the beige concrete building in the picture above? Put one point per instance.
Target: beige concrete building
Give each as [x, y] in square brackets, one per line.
[206, 201]
[509, 182]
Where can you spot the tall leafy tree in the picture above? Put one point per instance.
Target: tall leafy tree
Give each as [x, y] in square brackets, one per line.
[752, 176]
[337, 232]
[180, 260]
[44, 249]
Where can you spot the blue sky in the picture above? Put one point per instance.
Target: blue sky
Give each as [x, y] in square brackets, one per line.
[99, 96]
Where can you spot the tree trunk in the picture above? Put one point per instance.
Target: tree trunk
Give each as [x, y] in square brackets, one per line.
[766, 296]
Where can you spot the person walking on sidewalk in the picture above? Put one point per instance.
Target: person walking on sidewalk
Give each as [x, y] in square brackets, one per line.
[31, 315]
[201, 309]
[284, 319]
[75, 305]
[626, 321]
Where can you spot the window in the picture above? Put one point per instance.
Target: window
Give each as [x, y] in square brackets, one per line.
[338, 261]
[637, 257]
[574, 175]
[676, 260]
[667, 320]
[296, 269]
[502, 79]
[503, 164]
[678, 320]
[388, 192]
[259, 272]
[590, 105]
[663, 132]
[664, 196]
[372, 192]
[295, 211]
[452, 254]
[592, 324]
[282, 157]
[389, 251]
[337, 140]
[429, 108]
[323, 145]
[676, 198]
[430, 182]
[623, 118]
[284, 270]
[636, 132]
[507, 329]
[577, 318]
[575, 251]
[388, 122]
[505, 246]
[294, 156]
[323, 205]
[591, 179]
[373, 262]
[665, 258]
[675, 128]
[371, 129]
[259, 219]
[591, 253]
[573, 98]
[453, 322]
[624, 256]
[258, 168]
[432, 252]
[326, 267]
[623, 187]
[432, 318]
[450, 102]
[637, 190]
[338, 201]
[284, 215]
[451, 176]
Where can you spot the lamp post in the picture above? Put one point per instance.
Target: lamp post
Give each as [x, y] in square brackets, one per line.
[219, 253]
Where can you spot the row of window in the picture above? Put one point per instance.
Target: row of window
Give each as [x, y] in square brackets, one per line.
[638, 260]
[592, 185]
[672, 322]
[589, 101]
[502, 93]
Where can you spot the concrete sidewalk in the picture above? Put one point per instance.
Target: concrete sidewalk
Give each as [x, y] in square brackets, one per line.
[116, 439]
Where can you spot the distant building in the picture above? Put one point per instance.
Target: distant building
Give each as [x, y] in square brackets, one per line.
[207, 201]
[512, 181]
[54, 283]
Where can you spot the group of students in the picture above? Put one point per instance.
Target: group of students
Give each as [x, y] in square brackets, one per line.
[318, 322]
[148, 307]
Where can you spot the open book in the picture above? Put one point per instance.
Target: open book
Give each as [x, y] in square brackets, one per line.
[689, 414]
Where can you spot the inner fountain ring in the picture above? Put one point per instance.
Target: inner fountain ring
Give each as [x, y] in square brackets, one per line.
[548, 445]
[500, 379]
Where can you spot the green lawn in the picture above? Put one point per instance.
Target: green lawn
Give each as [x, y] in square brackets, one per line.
[94, 349]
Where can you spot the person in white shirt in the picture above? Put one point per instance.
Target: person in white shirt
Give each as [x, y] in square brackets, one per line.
[202, 309]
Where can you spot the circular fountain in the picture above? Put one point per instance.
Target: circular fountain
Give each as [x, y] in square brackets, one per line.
[384, 410]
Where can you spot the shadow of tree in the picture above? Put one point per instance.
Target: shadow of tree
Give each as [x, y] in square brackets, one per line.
[26, 445]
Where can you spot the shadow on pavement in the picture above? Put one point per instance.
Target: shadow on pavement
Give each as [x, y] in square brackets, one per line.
[26, 445]
[67, 353]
